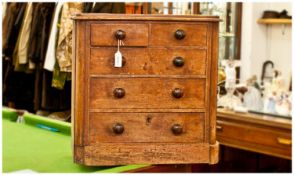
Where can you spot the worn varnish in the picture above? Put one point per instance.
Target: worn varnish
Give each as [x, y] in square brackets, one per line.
[146, 93]
[146, 127]
[159, 107]
[163, 34]
[102, 34]
[149, 61]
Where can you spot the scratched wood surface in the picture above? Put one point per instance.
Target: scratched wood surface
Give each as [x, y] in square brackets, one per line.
[148, 77]
[148, 61]
[163, 34]
[146, 127]
[146, 93]
[142, 153]
[103, 34]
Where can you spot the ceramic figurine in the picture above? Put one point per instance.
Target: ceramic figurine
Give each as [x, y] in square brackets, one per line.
[267, 72]
[230, 100]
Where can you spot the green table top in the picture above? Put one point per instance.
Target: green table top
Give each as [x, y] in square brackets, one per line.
[31, 146]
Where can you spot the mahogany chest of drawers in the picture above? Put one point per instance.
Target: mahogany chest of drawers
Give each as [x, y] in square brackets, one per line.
[160, 106]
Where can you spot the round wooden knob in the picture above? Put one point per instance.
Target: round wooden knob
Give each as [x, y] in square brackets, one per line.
[119, 92]
[120, 34]
[180, 34]
[118, 128]
[178, 61]
[177, 129]
[177, 93]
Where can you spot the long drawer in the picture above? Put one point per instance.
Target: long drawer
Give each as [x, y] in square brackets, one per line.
[149, 61]
[254, 135]
[136, 93]
[146, 127]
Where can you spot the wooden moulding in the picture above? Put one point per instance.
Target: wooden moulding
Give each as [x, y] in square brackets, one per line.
[144, 17]
[108, 154]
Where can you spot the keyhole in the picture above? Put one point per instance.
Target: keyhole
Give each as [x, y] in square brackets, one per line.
[148, 119]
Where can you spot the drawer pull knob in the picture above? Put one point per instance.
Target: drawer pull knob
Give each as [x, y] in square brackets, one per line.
[284, 141]
[118, 128]
[180, 34]
[120, 34]
[177, 129]
[177, 93]
[119, 92]
[178, 61]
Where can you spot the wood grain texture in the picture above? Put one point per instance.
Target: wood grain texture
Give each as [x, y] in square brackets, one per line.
[146, 93]
[213, 83]
[255, 133]
[214, 153]
[79, 83]
[177, 168]
[148, 109]
[162, 34]
[73, 92]
[104, 34]
[146, 127]
[148, 61]
[142, 153]
[145, 17]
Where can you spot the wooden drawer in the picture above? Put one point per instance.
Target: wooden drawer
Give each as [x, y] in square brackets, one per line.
[146, 93]
[164, 34]
[153, 61]
[146, 127]
[254, 135]
[103, 34]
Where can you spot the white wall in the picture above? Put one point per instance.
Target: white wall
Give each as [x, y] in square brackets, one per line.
[261, 42]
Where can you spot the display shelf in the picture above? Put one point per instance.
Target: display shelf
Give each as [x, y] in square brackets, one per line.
[274, 21]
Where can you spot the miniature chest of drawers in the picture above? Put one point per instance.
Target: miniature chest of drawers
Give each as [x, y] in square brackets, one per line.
[160, 106]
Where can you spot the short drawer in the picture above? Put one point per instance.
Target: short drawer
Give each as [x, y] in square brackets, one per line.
[104, 34]
[149, 61]
[254, 135]
[178, 34]
[146, 127]
[138, 93]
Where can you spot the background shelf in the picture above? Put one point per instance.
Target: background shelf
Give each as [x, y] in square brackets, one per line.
[274, 21]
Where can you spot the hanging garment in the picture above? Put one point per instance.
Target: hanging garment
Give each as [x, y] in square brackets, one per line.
[54, 99]
[38, 39]
[11, 26]
[87, 7]
[64, 44]
[40, 28]
[20, 50]
[107, 7]
[12, 81]
[4, 5]
[24, 35]
[62, 68]
[51, 49]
